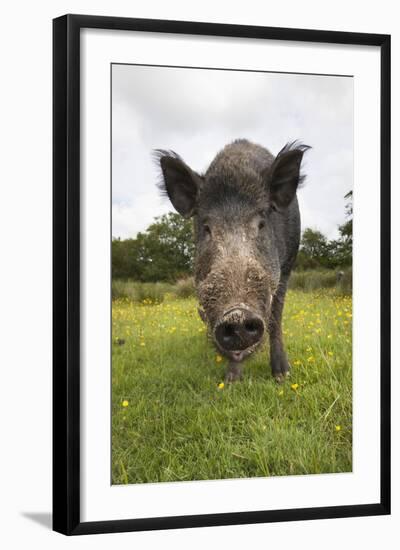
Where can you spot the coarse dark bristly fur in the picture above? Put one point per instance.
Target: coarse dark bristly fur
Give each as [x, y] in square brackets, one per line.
[247, 233]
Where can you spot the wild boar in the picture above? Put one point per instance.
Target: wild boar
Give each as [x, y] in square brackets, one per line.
[247, 233]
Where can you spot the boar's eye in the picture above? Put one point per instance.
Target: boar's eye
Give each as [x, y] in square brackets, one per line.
[261, 221]
[206, 229]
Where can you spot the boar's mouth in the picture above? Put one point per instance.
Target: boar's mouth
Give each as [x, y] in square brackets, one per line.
[238, 356]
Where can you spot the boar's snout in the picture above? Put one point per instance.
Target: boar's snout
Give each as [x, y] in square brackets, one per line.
[238, 330]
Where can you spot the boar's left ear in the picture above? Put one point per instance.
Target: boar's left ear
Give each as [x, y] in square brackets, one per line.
[284, 175]
[179, 182]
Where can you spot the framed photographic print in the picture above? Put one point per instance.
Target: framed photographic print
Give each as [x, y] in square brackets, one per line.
[221, 274]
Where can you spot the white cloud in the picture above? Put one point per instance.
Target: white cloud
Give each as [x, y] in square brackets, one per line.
[196, 112]
[126, 222]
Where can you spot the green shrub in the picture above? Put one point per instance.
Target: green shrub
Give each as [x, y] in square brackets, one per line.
[345, 285]
[184, 288]
[121, 289]
[152, 291]
[316, 279]
[138, 292]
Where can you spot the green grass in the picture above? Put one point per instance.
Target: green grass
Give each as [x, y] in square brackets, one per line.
[178, 425]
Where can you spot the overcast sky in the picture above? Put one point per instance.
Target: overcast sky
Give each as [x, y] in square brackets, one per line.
[195, 112]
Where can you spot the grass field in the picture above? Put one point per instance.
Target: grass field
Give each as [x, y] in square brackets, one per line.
[172, 422]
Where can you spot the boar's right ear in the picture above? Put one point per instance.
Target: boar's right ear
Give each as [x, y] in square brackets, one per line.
[284, 175]
[179, 182]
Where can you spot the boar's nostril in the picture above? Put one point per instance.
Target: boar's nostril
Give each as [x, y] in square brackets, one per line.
[251, 327]
[254, 328]
[229, 330]
[227, 335]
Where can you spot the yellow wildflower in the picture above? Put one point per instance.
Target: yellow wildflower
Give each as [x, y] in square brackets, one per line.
[125, 403]
[218, 358]
[294, 386]
[221, 386]
[338, 428]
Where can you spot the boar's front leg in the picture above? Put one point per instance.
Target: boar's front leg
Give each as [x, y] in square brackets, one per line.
[279, 362]
[233, 372]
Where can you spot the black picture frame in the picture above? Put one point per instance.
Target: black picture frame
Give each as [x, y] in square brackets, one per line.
[66, 273]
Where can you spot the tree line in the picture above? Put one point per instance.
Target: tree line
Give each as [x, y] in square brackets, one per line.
[316, 251]
[165, 250]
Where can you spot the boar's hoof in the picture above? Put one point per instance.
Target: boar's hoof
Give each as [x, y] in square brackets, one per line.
[280, 369]
[280, 378]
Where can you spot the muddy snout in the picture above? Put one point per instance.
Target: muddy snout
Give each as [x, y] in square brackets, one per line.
[239, 330]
